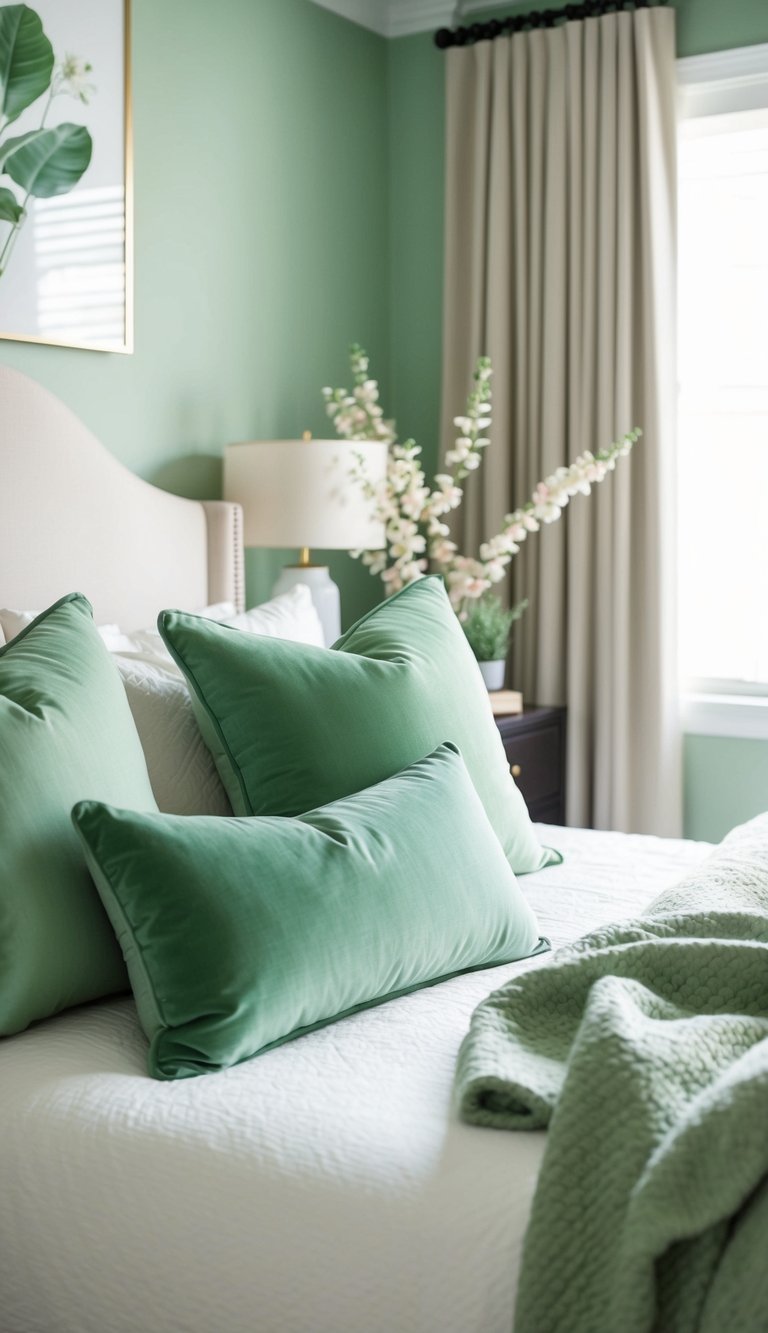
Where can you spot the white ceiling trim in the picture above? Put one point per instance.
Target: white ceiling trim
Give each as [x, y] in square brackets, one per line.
[472, 6]
[399, 18]
[409, 16]
[373, 14]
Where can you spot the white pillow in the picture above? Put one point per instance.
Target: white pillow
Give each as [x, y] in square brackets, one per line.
[292, 616]
[13, 622]
[183, 775]
[180, 766]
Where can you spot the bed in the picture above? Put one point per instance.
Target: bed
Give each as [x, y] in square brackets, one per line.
[325, 1185]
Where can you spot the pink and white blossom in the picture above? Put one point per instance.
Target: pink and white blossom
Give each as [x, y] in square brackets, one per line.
[412, 511]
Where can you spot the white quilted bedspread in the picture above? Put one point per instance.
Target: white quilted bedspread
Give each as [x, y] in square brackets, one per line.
[325, 1187]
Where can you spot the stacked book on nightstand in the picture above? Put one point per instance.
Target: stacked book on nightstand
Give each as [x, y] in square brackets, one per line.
[505, 702]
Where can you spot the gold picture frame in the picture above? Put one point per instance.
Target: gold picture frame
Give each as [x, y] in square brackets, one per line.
[69, 279]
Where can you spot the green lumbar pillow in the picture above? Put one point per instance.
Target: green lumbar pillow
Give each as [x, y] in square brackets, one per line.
[292, 726]
[242, 933]
[66, 733]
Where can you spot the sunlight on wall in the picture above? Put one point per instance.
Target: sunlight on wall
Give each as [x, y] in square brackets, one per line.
[79, 244]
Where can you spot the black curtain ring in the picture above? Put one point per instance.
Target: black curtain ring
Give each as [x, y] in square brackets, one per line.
[587, 9]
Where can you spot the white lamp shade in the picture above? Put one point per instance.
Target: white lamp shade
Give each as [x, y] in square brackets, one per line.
[298, 493]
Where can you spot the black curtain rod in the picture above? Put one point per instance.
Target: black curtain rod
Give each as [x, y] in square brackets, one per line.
[538, 18]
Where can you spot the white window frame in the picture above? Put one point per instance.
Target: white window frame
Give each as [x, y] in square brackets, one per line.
[723, 81]
[711, 85]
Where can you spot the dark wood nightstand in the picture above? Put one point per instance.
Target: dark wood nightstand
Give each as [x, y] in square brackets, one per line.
[534, 741]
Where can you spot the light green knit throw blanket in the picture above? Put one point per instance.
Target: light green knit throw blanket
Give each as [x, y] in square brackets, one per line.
[643, 1048]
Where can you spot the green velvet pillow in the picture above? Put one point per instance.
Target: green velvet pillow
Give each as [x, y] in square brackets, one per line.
[66, 733]
[291, 726]
[242, 933]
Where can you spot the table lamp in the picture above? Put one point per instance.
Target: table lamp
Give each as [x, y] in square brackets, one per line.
[303, 494]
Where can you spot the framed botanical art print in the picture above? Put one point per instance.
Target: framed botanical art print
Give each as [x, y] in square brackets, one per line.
[66, 174]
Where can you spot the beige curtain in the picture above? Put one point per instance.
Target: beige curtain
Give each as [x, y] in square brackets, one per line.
[560, 238]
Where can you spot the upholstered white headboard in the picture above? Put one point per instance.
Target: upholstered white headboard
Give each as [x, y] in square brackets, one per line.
[72, 518]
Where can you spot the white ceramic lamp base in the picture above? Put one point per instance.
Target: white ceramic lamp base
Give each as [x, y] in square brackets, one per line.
[325, 595]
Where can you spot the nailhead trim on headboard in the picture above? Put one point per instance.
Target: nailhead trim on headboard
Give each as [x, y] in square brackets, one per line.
[238, 562]
[226, 564]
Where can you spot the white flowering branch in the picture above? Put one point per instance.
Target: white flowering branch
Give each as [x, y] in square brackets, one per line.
[357, 415]
[71, 78]
[413, 512]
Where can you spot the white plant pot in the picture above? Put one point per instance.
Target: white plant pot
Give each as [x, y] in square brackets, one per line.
[493, 674]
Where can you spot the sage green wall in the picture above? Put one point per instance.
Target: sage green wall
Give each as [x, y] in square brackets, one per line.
[261, 242]
[726, 781]
[718, 25]
[416, 236]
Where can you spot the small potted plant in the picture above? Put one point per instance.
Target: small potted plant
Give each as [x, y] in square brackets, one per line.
[487, 627]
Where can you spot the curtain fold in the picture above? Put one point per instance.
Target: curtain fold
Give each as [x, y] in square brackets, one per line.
[560, 264]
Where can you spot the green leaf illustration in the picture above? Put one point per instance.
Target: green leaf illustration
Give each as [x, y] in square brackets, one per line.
[48, 162]
[10, 208]
[26, 60]
[11, 145]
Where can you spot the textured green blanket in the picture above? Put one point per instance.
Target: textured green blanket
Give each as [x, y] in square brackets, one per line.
[644, 1049]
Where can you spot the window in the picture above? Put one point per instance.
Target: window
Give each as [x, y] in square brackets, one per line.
[723, 392]
[723, 403]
